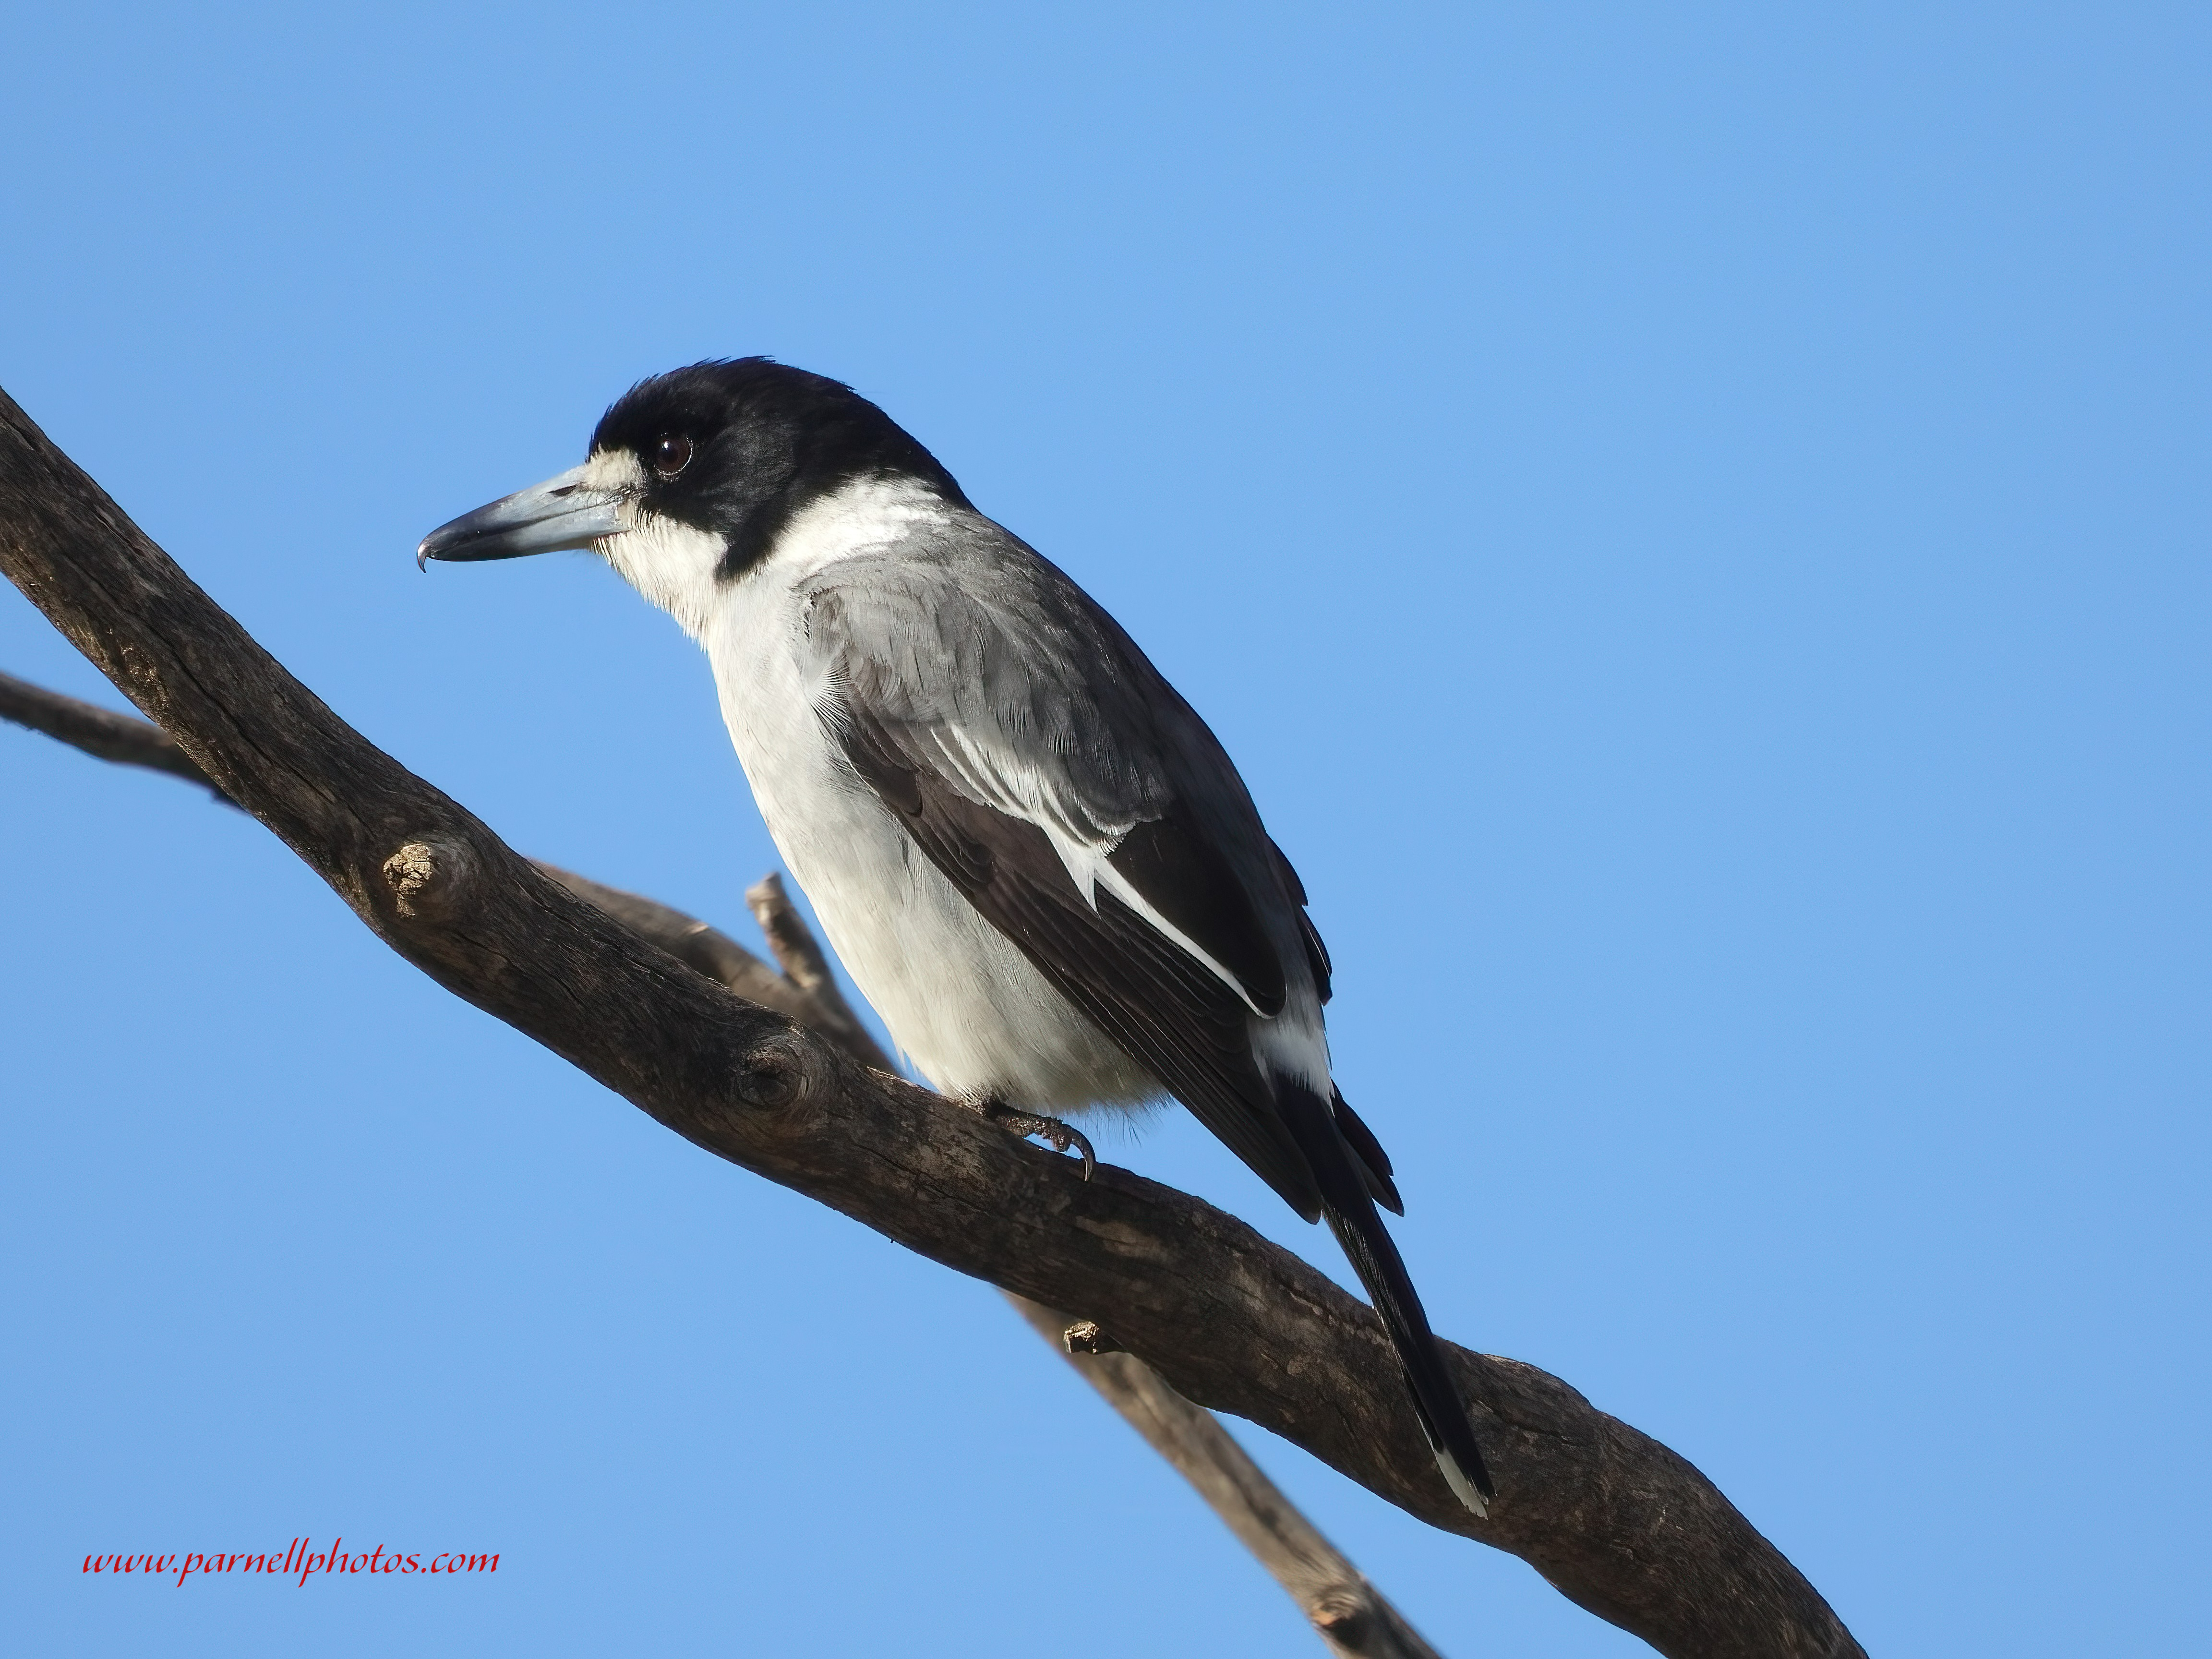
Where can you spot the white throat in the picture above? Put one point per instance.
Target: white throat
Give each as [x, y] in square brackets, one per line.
[678, 567]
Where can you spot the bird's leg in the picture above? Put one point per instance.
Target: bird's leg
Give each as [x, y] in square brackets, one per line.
[1060, 1136]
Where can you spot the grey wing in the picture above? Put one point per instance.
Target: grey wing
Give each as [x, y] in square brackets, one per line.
[1041, 764]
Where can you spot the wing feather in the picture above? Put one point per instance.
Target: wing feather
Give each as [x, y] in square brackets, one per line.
[1039, 761]
[1172, 1013]
[1105, 835]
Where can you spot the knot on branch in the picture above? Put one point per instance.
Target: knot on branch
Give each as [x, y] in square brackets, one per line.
[775, 1072]
[1345, 1616]
[1088, 1336]
[429, 875]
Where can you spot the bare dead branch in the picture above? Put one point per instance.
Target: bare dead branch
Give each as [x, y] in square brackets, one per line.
[101, 732]
[1623, 1526]
[1352, 1617]
[706, 950]
[806, 966]
[805, 989]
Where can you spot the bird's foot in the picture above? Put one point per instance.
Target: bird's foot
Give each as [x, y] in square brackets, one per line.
[1059, 1136]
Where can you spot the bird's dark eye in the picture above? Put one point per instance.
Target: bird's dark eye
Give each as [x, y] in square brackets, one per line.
[670, 455]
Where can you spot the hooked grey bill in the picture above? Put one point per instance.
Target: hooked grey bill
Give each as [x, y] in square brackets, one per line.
[560, 514]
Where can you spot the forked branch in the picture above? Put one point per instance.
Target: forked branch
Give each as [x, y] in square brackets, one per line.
[1623, 1526]
[1353, 1619]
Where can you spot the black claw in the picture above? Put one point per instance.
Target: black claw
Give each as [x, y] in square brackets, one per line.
[1060, 1136]
[1066, 1137]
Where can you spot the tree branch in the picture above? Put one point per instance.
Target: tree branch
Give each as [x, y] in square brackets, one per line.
[101, 732]
[804, 965]
[1623, 1526]
[1352, 1617]
[709, 951]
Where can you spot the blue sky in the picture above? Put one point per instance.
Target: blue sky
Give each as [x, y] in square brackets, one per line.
[1691, 520]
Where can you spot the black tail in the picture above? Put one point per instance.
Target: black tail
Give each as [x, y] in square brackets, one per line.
[1348, 1204]
[1436, 1397]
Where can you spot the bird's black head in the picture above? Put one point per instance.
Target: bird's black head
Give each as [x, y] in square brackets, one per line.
[737, 448]
[727, 451]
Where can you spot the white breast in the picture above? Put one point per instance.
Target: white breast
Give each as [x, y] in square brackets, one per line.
[962, 1002]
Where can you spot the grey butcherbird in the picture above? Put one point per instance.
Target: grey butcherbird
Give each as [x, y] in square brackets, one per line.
[1032, 855]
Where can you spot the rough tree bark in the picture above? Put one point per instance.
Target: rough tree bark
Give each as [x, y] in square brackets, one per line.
[1350, 1615]
[1353, 1619]
[1620, 1524]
